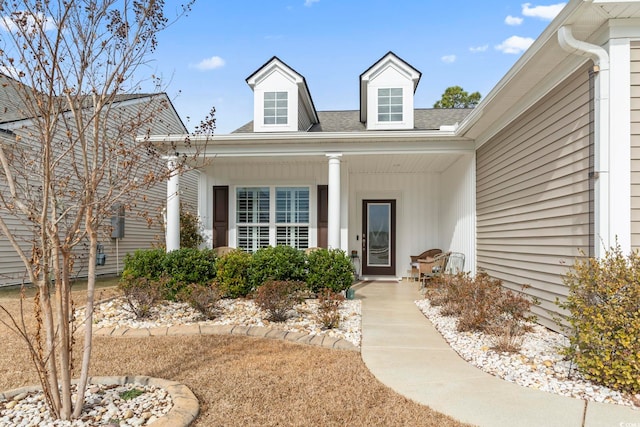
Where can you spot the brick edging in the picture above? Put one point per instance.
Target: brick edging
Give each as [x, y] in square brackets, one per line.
[253, 331]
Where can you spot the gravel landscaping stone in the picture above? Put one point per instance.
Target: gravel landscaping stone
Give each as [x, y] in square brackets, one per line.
[538, 364]
[235, 312]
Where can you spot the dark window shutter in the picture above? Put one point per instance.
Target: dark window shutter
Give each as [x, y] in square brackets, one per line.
[323, 215]
[220, 215]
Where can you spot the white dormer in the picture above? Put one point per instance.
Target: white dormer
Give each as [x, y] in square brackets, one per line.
[281, 99]
[386, 94]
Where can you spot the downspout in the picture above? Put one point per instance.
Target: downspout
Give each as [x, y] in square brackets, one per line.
[602, 202]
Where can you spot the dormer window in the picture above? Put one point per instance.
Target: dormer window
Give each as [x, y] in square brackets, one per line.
[390, 105]
[276, 108]
[281, 99]
[386, 94]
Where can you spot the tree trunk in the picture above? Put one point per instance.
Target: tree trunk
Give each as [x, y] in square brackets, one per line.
[88, 322]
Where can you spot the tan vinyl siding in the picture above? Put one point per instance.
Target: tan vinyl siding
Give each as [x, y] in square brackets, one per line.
[533, 194]
[138, 233]
[635, 145]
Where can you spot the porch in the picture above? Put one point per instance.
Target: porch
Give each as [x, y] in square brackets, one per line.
[259, 190]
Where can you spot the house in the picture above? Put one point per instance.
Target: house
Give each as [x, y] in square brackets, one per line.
[16, 125]
[545, 168]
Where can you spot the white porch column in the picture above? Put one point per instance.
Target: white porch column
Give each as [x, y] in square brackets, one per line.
[620, 144]
[333, 232]
[173, 207]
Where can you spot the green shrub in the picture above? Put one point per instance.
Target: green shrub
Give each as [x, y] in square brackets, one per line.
[329, 269]
[232, 272]
[190, 236]
[186, 266]
[141, 294]
[278, 297]
[276, 263]
[329, 303]
[204, 298]
[144, 263]
[604, 307]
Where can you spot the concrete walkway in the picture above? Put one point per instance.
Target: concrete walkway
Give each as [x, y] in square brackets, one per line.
[405, 352]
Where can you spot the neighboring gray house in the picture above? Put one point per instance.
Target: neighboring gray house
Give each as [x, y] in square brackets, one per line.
[546, 166]
[138, 234]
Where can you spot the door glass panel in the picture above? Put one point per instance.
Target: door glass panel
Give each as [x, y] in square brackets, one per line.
[379, 234]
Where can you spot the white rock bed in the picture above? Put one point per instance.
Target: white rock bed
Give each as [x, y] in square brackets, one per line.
[234, 312]
[103, 406]
[538, 364]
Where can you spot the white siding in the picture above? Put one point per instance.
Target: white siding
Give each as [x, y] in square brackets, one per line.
[635, 145]
[457, 210]
[248, 172]
[533, 194]
[417, 211]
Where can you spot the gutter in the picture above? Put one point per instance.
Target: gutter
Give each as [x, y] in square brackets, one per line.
[602, 142]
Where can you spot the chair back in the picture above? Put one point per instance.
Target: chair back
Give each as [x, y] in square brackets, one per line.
[223, 250]
[455, 263]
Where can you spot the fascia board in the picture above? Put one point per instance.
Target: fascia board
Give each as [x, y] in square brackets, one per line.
[319, 144]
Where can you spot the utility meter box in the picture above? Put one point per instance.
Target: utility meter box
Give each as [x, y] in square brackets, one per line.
[101, 257]
[117, 222]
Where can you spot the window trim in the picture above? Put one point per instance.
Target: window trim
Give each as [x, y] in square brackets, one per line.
[234, 234]
[390, 105]
[276, 109]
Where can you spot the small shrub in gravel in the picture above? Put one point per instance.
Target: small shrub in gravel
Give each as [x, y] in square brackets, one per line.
[203, 298]
[144, 263]
[141, 294]
[604, 307]
[330, 269]
[276, 263]
[482, 304]
[232, 274]
[329, 303]
[278, 297]
[186, 266]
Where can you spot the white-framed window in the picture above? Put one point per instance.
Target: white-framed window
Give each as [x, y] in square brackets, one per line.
[390, 104]
[292, 216]
[276, 108]
[272, 215]
[252, 217]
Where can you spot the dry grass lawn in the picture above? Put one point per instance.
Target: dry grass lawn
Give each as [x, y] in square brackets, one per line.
[242, 381]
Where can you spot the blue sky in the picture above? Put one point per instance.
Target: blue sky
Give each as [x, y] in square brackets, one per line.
[205, 57]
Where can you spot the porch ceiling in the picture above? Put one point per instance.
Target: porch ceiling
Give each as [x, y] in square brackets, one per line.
[402, 163]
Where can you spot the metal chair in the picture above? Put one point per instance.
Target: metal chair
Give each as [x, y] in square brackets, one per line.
[455, 263]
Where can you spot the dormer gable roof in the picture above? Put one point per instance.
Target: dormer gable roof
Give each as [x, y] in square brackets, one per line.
[389, 60]
[275, 64]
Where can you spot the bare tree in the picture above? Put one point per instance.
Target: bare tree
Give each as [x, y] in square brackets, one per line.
[73, 152]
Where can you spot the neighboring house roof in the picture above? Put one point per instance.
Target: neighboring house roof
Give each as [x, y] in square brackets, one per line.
[10, 94]
[349, 121]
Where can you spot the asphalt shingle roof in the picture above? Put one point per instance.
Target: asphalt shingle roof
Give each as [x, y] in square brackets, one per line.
[349, 121]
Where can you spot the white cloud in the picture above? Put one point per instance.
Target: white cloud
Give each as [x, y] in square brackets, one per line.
[476, 49]
[7, 23]
[310, 3]
[448, 59]
[210, 63]
[515, 44]
[12, 72]
[513, 20]
[543, 12]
